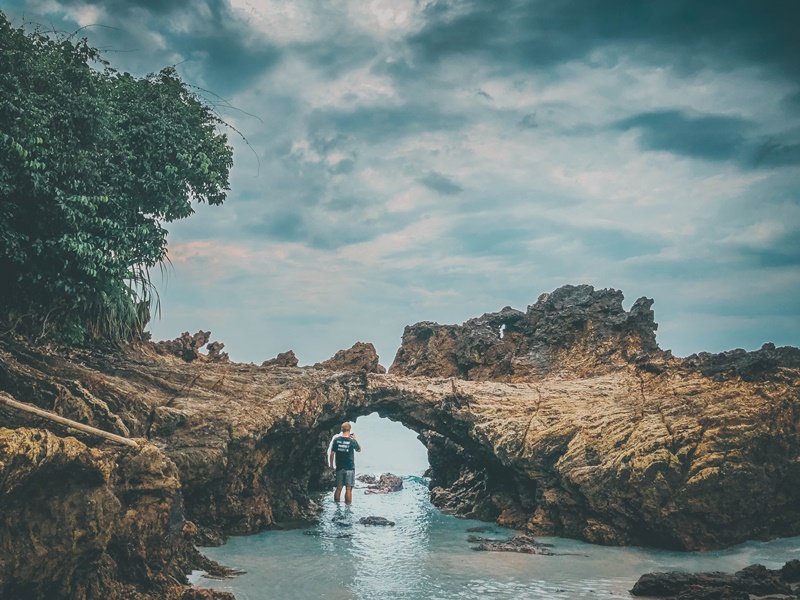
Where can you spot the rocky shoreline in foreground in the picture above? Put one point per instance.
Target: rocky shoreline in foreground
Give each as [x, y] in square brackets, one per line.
[755, 581]
[566, 419]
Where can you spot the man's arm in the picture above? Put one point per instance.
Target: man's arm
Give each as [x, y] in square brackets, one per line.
[331, 451]
[358, 444]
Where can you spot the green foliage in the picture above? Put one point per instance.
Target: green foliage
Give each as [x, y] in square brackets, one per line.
[93, 163]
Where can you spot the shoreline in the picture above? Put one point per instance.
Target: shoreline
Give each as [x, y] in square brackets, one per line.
[574, 564]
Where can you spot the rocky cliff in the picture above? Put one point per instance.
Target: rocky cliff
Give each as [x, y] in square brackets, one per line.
[573, 331]
[566, 419]
[82, 522]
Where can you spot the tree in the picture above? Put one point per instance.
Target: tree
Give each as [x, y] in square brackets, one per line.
[93, 163]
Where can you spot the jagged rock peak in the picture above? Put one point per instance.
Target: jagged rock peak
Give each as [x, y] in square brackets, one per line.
[572, 309]
[749, 366]
[188, 347]
[360, 357]
[574, 329]
[284, 359]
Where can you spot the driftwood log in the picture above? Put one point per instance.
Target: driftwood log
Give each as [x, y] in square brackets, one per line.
[11, 403]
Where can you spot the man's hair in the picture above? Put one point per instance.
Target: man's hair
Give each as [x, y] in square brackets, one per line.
[345, 426]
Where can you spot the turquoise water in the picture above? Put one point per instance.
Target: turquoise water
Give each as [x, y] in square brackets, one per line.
[427, 556]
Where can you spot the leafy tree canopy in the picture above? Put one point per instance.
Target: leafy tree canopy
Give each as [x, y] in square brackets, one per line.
[93, 163]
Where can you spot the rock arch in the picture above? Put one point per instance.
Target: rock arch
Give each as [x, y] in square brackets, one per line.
[572, 423]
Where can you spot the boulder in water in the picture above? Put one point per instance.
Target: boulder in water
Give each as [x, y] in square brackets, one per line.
[755, 579]
[524, 544]
[480, 529]
[328, 534]
[376, 521]
[386, 484]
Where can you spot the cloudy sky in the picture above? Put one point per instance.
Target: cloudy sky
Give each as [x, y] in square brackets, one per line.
[412, 160]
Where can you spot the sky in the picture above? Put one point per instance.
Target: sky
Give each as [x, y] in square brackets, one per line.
[433, 160]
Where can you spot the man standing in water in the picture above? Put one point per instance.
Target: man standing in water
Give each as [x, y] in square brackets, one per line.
[342, 449]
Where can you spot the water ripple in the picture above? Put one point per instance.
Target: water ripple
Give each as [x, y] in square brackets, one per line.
[426, 556]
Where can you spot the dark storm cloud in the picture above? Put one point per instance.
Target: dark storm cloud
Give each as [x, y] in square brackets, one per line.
[713, 138]
[334, 57]
[229, 62]
[792, 102]
[529, 121]
[708, 137]
[776, 153]
[155, 6]
[782, 252]
[284, 226]
[685, 34]
[441, 184]
[231, 55]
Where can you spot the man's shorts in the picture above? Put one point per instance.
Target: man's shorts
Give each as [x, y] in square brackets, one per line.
[345, 478]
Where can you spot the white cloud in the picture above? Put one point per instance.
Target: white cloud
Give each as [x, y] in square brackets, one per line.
[547, 190]
[283, 21]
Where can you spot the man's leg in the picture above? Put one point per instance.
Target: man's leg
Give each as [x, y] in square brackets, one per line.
[349, 482]
[340, 483]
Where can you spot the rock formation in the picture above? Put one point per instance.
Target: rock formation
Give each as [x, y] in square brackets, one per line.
[574, 330]
[284, 359]
[619, 441]
[360, 357]
[755, 579]
[378, 521]
[520, 543]
[89, 523]
[386, 484]
[563, 420]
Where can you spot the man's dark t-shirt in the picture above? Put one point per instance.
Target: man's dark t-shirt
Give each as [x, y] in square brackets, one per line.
[344, 447]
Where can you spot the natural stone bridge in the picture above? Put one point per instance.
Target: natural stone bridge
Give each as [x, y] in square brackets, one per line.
[572, 422]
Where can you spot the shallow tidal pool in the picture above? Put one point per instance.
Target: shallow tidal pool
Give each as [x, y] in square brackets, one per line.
[426, 556]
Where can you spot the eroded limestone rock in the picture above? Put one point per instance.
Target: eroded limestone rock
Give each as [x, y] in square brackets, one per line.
[574, 330]
[360, 357]
[185, 346]
[215, 353]
[87, 523]
[188, 347]
[284, 359]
